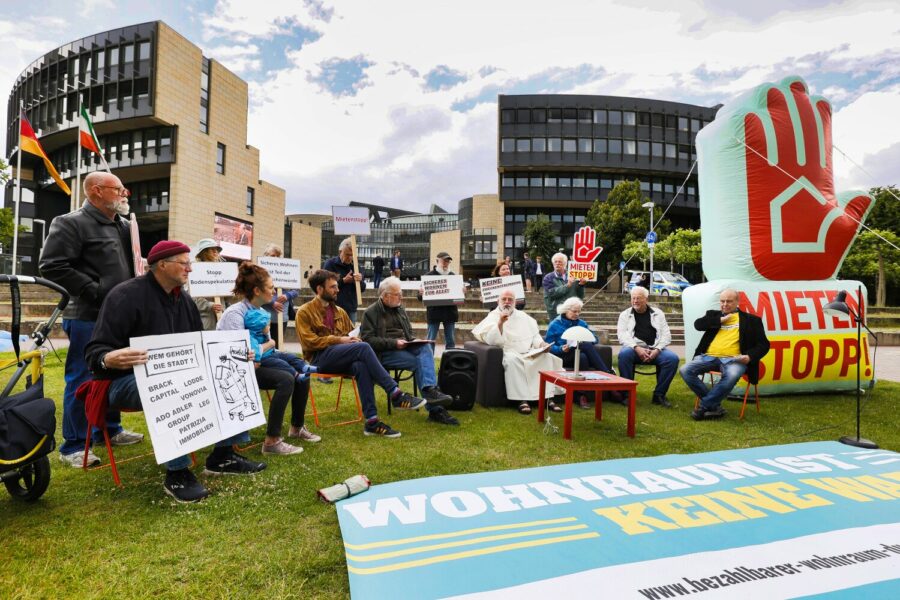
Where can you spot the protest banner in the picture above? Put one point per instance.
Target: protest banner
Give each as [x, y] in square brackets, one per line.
[491, 287]
[351, 220]
[579, 270]
[197, 389]
[582, 265]
[443, 290]
[208, 279]
[285, 272]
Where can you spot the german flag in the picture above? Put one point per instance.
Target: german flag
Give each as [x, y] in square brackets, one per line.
[28, 142]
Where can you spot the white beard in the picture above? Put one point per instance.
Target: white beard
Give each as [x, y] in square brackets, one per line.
[442, 271]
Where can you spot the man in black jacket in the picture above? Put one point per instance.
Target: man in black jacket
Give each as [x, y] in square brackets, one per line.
[733, 343]
[385, 327]
[342, 264]
[377, 271]
[448, 315]
[88, 252]
[155, 304]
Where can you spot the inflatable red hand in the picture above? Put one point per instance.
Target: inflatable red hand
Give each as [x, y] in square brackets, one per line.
[584, 245]
[799, 229]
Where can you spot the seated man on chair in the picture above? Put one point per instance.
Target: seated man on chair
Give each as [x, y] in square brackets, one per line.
[323, 329]
[517, 333]
[644, 334]
[733, 343]
[155, 304]
[385, 327]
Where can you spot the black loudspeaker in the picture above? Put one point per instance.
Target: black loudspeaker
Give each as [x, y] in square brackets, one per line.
[458, 377]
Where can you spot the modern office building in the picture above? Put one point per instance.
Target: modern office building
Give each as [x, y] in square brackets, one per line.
[173, 126]
[556, 154]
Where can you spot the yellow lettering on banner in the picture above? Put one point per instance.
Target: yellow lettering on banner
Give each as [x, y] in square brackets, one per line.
[854, 488]
[674, 508]
[785, 491]
[632, 520]
[728, 516]
[822, 357]
[746, 500]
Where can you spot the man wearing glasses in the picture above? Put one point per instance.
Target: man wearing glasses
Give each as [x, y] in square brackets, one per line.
[88, 252]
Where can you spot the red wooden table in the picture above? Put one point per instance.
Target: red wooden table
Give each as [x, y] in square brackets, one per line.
[608, 383]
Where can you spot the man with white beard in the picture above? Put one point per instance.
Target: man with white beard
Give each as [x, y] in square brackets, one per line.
[517, 333]
[88, 252]
[448, 315]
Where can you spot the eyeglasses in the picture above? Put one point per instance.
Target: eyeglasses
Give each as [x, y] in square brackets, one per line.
[184, 263]
[120, 191]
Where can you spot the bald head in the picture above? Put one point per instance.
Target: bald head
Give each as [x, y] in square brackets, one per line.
[106, 192]
[506, 300]
[728, 300]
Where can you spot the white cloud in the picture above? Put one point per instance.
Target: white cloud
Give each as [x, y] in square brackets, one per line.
[868, 132]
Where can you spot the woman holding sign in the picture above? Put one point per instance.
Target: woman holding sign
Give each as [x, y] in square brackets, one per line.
[254, 285]
[284, 303]
[208, 250]
[502, 270]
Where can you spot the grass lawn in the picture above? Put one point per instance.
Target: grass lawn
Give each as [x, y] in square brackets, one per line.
[268, 536]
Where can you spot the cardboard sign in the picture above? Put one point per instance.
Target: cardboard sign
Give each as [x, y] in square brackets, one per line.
[208, 279]
[285, 272]
[351, 220]
[491, 287]
[443, 290]
[196, 389]
[581, 270]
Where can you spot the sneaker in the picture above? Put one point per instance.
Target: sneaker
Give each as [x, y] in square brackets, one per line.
[302, 433]
[436, 397]
[126, 438]
[184, 487]
[325, 380]
[583, 402]
[282, 448]
[76, 459]
[440, 415]
[232, 464]
[662, 401]
[701, 414]
[378, 427]
[404, 401]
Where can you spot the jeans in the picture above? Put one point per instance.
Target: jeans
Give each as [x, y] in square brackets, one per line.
[74, 420]
[376, 280]
[352, 316]
[449, 332]
[357, 359]
[286, 388]
[123, 393]
[284, 361]
[666, 363]
[731, 370]
[419, 360]
[590, 358]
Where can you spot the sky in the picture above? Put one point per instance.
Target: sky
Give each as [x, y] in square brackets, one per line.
[394, 102]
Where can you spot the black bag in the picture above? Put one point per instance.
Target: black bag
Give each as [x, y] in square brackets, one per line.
[459, 377]
[27, 424]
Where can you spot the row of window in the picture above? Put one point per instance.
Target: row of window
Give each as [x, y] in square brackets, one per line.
[587, 181]
[107, 98]
[599, 117]
[204, 96]
[613, 147]
[124, 145]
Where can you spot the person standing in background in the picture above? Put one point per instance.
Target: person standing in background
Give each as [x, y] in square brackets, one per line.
[538, 273]
[208, 250]
[342, 265]
[527, 271]
[396, 264]
[378, 269]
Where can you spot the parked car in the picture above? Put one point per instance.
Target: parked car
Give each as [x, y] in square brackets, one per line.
[665, 283]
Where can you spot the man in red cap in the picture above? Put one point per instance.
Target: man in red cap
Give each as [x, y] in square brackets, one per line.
[156, 304]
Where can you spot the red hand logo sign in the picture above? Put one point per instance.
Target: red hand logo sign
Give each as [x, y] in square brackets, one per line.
[798, 228]
[584, 245]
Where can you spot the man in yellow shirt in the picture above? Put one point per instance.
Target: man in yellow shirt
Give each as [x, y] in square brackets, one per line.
[733, 343]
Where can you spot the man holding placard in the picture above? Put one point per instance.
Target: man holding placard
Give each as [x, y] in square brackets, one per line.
[447, 315]
[154, 304]
[559, 287]
[342, 264]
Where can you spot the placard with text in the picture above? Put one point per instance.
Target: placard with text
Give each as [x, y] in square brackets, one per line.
[443, 290]
[492, 286]
[285, 272]
[208, 279]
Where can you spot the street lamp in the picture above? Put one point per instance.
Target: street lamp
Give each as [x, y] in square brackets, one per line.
[650, 206]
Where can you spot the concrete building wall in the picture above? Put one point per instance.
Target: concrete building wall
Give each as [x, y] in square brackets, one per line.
[196, 190]
[306, 246]
[487, 213]
[449, 242]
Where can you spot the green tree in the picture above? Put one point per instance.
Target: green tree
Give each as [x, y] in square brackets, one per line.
[540, 239]
[886, 212]
[621, 219]
[871, 257]
[7, 216]
[686, 248]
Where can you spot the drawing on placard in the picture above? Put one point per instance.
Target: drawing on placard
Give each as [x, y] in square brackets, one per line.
[230, 372]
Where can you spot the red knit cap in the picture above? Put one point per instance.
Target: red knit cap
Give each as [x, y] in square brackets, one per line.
[166, 249]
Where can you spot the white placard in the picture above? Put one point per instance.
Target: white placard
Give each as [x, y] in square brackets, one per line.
[208, 279]
[443, 290]
[285, 272]
[191, 397]
[583, 270]
[492, 286]
[351, 220]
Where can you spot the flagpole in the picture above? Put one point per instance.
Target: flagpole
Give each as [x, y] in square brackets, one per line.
[18, 190]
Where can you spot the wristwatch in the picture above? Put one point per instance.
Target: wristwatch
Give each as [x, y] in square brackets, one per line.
[103, 362]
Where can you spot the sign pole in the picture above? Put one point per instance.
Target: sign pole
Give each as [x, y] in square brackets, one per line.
[280, 324]
[217, 300]
[356, 268]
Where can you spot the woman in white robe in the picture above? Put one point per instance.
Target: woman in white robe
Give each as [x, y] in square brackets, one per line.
[517, 335]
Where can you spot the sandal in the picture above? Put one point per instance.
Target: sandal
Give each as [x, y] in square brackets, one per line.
[554, 407]
[524, 408]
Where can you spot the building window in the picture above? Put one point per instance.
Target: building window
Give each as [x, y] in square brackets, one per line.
[592, 182]
[657, 149]
[549, 181]
[584, 145]
[539, 115]
[538, 145]
[523, 145]
[628, 147]
[144, 51]
[643, 148]
[521, 181]
[220, 159]
[507, 145]
[615, 117]
[554, 144]
[695, 125]
[600, 117]
[569, 145]
[555, 115]
[584, 115]
[670, 150]
[658, 120]
[508, 115]
[628, 118]
[536, 181]
[569, 115]
[204, 96]
[250, 199]
[600, 146]
[682, 124]
[508, 181]
[523, 115]
[615, 146]
[578, 181]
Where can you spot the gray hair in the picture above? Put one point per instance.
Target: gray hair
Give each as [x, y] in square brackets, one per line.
[559, 255]
[568, 305]
[640, 291]
[388, 283]
[273, 249]
[734, 292]
[344, 244]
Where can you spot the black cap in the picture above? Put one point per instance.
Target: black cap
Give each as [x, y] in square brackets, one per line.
[444, 255]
